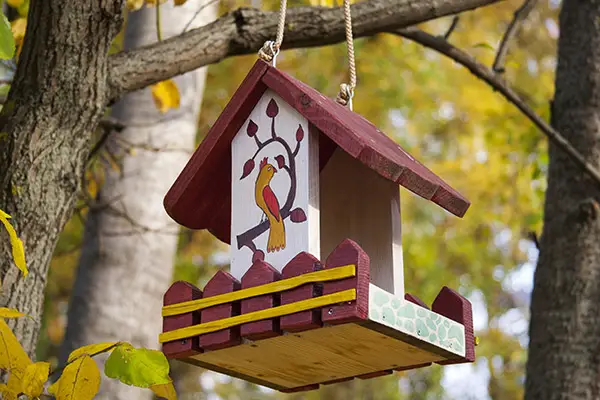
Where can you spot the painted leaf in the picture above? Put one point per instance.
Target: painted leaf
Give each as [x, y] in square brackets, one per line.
[298, 215]
[92, 350]
[80, 380]
[12, 356]
[280, 161]
[137, 367]
[299, 133]
[252, 128]
[34, 378]
[272, 109]
[7, 42]
[165, 391]
[248, 167]
[165, 95]
[18, 252]
[11, 313]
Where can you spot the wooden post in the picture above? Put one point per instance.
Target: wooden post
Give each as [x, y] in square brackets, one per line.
[303, 263]
[451, 304]
[179, 292]
[348, 252]
[221, 283]
[259, 274]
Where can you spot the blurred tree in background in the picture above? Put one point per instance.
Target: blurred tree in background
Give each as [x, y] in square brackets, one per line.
[460, 129]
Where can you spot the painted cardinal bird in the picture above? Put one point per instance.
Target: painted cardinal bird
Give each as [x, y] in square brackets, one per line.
[266, 201]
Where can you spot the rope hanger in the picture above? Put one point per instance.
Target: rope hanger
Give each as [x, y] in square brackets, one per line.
[270, 50]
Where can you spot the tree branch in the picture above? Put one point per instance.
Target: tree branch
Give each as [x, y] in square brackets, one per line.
[520, 16]
[245, 30]
[493, 79]
[452, 27]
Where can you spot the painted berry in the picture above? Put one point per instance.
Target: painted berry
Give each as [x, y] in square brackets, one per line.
[248, 167]
[299, 134]
[252, 128]
[258, 255]
[272, 109]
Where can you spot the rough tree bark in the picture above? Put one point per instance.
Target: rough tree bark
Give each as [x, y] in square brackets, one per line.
[130, 244]
[57, 98]
[564, 349]
[63, 85]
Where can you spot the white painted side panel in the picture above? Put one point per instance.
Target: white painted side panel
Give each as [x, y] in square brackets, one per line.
[246, 210]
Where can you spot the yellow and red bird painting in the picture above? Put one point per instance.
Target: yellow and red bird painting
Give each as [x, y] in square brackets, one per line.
[267, 202]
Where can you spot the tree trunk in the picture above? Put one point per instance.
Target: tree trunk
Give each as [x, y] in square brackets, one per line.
[564, 350]
[129, 245]
[59, 93]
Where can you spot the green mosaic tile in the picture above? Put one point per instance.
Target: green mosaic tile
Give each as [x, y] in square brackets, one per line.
[419, 322]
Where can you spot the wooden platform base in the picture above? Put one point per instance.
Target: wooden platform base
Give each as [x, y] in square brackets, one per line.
[322, 325]
[298, 360]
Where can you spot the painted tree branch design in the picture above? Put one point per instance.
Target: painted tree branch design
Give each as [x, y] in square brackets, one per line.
[296, 215]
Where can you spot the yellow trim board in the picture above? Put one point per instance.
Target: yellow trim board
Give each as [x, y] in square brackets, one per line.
[213, 326]
[346, 271]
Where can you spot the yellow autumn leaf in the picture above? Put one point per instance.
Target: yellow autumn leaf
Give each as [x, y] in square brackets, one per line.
[152, 3]
[34, 378]
[12, 388]
[323, 3]
[80, 380]
[133, 5]
[15, 3]
[12, 356]
[18, 28]
[166, 95]
[92, 349]
[11, 313]
[180, 2]
[165, 391]
[7, 392]
[18, 252]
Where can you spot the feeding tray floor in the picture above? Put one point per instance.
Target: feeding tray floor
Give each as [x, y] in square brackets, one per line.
[323, 355]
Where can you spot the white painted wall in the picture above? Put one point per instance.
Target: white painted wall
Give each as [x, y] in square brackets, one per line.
[245, 213]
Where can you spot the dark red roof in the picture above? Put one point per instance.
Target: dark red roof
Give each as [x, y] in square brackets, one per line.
[200, 198]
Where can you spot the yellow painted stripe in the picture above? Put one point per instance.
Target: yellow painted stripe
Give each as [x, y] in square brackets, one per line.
[213, 326]
[325, 275]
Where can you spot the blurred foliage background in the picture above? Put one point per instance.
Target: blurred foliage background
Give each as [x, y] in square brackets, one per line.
[459, 128]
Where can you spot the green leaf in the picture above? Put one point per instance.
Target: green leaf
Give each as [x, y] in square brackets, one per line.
[138, 367]
[7, 42]
[484, 45]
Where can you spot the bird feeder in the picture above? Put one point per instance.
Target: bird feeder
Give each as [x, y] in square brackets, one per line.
[306, 193]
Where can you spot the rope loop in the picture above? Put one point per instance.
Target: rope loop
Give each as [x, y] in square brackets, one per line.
[345, 95]
[268, 52]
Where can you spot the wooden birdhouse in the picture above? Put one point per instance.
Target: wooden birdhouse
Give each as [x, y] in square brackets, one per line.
[306, 193]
